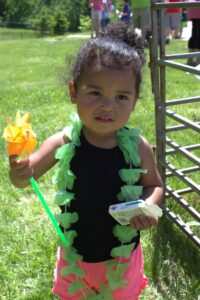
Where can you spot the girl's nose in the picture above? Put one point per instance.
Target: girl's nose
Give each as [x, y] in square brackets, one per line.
[107, 103]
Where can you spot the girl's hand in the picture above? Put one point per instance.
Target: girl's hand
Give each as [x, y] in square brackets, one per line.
[143, 222]
[20, 171]
[38, 163]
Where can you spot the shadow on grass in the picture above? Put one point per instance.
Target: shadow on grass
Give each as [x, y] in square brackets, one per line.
[175, 263]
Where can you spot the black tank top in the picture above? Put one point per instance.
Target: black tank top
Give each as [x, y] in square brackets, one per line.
[96, 187]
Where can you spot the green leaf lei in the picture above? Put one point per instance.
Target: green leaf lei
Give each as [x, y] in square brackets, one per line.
[128, 141]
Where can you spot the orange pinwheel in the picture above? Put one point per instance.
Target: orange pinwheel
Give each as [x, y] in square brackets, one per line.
[20, 137]
[21, 141]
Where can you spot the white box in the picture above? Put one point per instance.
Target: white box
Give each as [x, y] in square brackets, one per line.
[123, 212]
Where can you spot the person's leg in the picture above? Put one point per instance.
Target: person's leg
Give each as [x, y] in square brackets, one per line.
[92, 24]
[103, 21]
[98, 22]
[107, 21]
[95, 277]
[167, 21]
[197, 39]
[134, 275]
[175, 25]
[191, 60]
[146, 24]
[197, 58]
[191, 44]
[61, 283]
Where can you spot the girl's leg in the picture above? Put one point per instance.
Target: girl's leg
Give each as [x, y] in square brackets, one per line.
[95, 276]
[135, 277]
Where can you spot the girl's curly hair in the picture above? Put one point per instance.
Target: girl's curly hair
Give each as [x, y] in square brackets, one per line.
[120, 46]
[128, 34]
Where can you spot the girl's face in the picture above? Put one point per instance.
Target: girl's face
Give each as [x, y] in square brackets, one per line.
[105, 100]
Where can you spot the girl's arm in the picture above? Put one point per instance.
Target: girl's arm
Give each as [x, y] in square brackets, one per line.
[37, 164]
[151, 181]
[152, 185]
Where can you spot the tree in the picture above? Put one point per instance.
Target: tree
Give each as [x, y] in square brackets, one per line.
[2, 8]
[19, 11]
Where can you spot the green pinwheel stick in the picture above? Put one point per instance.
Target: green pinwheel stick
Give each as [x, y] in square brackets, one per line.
[48, 211]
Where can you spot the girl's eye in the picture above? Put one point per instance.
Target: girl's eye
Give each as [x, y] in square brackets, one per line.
[94, 93]
[122, 97]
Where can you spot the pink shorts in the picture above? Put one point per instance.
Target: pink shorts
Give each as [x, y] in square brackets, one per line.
[95, 277]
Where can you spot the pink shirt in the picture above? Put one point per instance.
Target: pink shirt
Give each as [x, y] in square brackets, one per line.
[193, 13]
[96, 4]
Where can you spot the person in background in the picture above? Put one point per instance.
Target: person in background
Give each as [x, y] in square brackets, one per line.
[125, 15]
[106, 12]
[173, 18]
[194, 41]
[96, 15]
[142, 18]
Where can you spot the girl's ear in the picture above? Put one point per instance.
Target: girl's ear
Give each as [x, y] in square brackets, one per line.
[72, 91]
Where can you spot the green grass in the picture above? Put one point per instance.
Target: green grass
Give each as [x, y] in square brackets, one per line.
[15, 34]
[33, 78]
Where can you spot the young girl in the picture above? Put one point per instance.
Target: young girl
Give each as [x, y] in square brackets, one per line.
[101, 162]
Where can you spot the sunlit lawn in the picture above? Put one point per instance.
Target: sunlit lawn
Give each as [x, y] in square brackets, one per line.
[33, 76]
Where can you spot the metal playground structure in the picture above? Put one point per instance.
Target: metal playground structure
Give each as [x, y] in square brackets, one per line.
[186, 172]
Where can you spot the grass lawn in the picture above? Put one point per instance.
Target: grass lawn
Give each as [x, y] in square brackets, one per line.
[33, 75]
[14, 34]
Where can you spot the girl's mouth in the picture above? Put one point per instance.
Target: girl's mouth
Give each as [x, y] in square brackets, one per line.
[104, 119]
